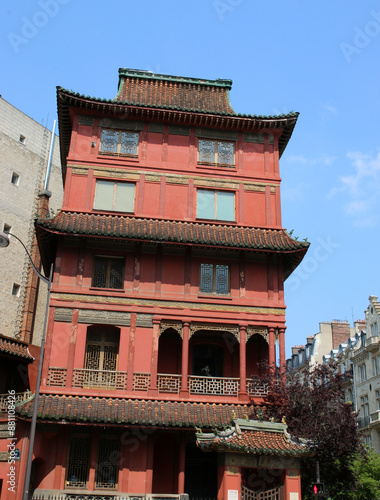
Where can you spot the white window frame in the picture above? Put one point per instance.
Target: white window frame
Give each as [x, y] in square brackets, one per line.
[100, 204]
[215, 217]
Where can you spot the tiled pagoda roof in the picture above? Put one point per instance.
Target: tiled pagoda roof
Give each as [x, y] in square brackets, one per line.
[13, 347]
[169, 99]
[258, 438]
[94, 410]
[226, 236]
[144, 88]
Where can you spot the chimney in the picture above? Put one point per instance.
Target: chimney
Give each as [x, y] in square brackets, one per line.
[340, 331]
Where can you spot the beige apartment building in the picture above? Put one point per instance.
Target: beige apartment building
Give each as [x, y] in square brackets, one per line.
[24, 154]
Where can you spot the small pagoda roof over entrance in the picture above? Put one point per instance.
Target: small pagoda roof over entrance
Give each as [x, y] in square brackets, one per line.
[252, 437]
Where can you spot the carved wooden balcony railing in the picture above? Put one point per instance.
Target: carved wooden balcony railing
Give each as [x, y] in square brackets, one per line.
[256, 388]
[99, 379]
[141, 381]
[215, 386]
[168, 383]
[18, 398]
[56, 377]
[86, 495]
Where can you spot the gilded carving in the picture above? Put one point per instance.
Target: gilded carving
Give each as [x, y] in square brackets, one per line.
[175, 325]
[258, 330]
[102, 299]
[214, 327]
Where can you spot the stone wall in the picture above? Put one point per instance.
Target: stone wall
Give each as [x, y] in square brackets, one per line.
[24, 150]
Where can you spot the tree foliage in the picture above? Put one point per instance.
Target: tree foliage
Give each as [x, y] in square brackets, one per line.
[314, 409]
[367, 472]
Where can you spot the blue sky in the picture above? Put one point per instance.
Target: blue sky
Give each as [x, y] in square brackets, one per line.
[318, 58]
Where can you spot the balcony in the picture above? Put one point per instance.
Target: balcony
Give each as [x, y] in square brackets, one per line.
[85, 495]
[19, 398]
[363, 422]
[372, 343]
[99, 379]
[375, 419]
[166, 383]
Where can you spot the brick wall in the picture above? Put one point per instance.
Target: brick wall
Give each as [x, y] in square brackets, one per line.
[340, 332]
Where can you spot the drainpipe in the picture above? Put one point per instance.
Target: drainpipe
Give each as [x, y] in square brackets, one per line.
[50, 157]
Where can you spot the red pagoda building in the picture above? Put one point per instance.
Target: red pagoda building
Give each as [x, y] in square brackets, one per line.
[169, 262]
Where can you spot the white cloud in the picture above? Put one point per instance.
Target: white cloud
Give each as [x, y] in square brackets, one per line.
[323, 159]
[362, 188]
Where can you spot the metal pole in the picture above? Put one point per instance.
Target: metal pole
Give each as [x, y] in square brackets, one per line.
[317, 472]
[50, 156]
[25, 494]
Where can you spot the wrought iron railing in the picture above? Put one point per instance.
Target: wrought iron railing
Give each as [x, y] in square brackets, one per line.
[364, 421]
[216, 386]
[168, 383]
[99, 379]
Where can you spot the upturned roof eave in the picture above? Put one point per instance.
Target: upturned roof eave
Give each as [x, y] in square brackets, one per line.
[231, 121]
[48, 237]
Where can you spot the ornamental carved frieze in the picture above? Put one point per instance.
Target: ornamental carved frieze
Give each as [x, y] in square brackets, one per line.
[214, 327]
[174, 325]
[258, 330]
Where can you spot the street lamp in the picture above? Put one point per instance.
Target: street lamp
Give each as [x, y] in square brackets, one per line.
[4, 242]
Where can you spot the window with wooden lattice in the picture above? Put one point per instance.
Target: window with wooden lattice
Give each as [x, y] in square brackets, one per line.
[108, 272]
[107, 464]
[119, 143]
[216, 153]
[102, 348]
[215, 279]
[79, 461]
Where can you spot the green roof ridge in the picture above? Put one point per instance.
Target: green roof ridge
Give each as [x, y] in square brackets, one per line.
[149, 75]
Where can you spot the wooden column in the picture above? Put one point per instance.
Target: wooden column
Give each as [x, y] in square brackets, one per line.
[131, 352]
[181, 466]
[154, 358]
[272, 348]
[281, 342]
[185, 358]
[242, 361]
[71, 351]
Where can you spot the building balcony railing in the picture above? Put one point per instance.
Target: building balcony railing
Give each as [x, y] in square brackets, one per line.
[99, 379]
[166, 383]
[19, 397]
[375, 419]
[364, 421]
[85, 495]
[216, 386]
[372, 343]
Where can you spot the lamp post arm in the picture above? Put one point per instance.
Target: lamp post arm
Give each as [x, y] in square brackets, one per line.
[41, 276]
[37, 393]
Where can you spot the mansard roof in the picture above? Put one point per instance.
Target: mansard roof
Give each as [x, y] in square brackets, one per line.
[94, 410]
[14, 348]
[227, 236]
[253, 437]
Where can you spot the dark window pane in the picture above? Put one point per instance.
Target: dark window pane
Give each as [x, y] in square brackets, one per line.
[206, 278]
[221, 280]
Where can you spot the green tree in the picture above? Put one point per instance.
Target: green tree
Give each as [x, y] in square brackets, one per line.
[366, 469]
[315, 409]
